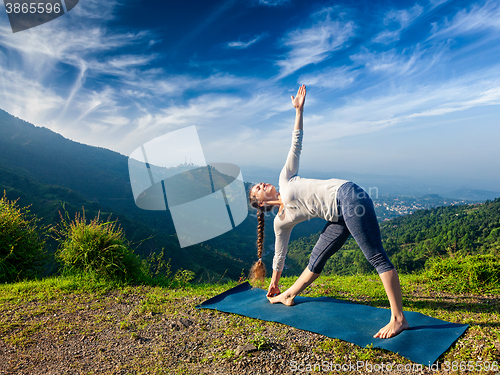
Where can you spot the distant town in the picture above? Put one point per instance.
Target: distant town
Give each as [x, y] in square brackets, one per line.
[388, 207]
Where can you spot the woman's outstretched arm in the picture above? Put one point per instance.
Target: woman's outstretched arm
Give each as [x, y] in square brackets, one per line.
[298, 102]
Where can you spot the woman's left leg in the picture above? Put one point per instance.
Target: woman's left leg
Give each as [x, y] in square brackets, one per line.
[331, 239]
[288, 296]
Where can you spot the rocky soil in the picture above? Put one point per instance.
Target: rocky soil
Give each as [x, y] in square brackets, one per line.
[150, 331]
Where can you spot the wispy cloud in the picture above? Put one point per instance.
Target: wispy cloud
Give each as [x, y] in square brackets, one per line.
[120, 64]
[272, 3]
[474, 19]
[392, 61]
[208, 20]
[26, 98]
[161, 84]
[485, 97]
[96, 10]
[436, 3]
[241, 45]
[67, 44]
[332, 78]
[314, 44]
[403, 17]
[399, 20]
[214, 115]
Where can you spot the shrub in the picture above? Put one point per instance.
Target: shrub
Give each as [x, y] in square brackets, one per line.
[22, 252]
[182, 278]
[473, 273]
[157, 272]
[96, 248]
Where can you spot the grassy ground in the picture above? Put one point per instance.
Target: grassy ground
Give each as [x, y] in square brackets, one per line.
[69, 325]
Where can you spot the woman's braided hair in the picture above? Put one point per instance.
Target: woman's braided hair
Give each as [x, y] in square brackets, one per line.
[258, 270]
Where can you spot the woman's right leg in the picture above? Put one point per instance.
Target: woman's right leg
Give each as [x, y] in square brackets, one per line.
[398, 322]
[359, 216]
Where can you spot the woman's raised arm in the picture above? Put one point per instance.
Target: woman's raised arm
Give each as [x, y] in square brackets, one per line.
[298, 102]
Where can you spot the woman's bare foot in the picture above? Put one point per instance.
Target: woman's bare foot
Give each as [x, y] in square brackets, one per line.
[394, 328]
[284, 298]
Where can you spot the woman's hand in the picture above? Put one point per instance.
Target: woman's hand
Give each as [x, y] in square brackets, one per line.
[273, 290]
[273, 286]
[300, 98]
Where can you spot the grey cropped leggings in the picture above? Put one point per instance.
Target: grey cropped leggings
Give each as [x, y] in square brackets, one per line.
[357, 218]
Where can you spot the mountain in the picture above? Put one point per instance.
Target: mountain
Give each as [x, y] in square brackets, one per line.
[50, 158]
[471, 194]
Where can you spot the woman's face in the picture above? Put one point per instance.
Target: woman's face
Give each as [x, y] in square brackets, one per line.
[264, 192]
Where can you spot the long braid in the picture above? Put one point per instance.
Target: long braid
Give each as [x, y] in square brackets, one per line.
[258, 270]
[260, 233]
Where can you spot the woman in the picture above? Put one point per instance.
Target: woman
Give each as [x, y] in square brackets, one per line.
[347, 209]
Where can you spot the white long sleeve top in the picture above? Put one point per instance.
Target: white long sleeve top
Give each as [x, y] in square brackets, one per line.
[303, 199]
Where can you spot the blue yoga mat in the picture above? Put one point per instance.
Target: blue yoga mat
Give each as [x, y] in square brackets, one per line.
[423, 343]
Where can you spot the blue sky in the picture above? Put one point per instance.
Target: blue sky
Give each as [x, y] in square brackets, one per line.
[407, 88]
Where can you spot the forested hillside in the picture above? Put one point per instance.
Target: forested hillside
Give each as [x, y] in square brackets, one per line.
[48, 202]
[412, 239]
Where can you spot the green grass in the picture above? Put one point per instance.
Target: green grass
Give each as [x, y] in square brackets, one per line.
[60, 308]
[478, 274]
